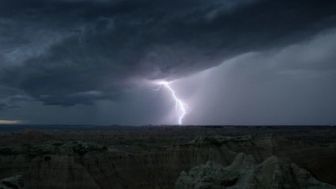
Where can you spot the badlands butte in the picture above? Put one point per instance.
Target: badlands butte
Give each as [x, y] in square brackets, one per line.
[167, 157]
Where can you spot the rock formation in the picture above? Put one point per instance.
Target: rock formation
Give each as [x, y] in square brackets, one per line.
[245, 173]
[154, 157]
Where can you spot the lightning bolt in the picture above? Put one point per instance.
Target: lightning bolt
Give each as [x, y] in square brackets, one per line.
[180, 105]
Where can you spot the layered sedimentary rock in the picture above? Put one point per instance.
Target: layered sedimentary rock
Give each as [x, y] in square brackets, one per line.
[154, 158]
[245, 173]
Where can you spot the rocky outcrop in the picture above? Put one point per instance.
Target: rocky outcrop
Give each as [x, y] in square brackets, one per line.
[219, 140]
[15, 182]
[245, 173]
[153, 158]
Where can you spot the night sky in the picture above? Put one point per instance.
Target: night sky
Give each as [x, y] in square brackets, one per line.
[230, 61]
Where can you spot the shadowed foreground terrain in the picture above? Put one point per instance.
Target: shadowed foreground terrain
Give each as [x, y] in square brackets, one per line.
[89, 157]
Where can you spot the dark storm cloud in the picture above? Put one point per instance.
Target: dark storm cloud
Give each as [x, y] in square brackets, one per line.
[77, 51]
[12, 98]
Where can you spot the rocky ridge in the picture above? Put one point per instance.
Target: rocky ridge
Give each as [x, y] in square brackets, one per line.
[153, 158]
[245, 173]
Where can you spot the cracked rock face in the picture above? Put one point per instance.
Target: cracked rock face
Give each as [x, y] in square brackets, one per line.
[15, 182]
[245, 173]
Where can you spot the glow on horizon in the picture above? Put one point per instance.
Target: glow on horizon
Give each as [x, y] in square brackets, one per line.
[180, 105]
[9, 122]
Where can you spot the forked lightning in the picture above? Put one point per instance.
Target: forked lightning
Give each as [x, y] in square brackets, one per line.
[180, 105]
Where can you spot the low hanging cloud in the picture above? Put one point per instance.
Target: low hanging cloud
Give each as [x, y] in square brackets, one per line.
[67, 52]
